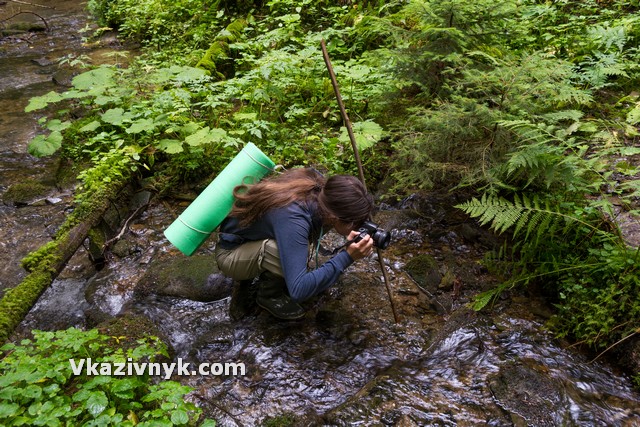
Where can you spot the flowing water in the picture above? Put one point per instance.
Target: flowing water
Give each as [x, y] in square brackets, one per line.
[30, 65]
[347, 362]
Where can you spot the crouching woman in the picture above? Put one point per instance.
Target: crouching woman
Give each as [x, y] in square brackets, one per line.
[272, 226]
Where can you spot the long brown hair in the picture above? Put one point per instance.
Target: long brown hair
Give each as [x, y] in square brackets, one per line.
[340, 197]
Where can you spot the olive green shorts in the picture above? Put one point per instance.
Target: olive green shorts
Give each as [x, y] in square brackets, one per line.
[249, 259]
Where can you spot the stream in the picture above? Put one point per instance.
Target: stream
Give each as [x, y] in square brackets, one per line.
[347, 362]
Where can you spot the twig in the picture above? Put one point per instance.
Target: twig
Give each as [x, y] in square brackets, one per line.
[124, 228]
[352, 137]
[46, 25]
[615, 344]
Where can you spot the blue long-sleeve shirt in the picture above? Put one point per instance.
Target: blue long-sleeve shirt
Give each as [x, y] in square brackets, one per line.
[292, 227]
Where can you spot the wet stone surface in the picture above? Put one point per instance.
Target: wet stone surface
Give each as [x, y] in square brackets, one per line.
[347, 362]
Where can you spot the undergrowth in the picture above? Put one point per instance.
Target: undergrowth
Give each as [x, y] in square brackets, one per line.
[39, 386]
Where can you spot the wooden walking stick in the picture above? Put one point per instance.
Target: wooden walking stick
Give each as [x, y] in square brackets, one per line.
[356, 153]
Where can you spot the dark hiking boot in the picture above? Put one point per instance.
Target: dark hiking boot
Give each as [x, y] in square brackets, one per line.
[273, 297]
[243, 299]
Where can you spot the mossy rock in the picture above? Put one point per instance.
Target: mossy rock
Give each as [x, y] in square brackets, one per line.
[196, 278]
[128, 329]
[425, 271]
[25, 193]
[284, 420]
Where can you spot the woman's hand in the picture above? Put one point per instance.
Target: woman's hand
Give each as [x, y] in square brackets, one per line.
[361, 249]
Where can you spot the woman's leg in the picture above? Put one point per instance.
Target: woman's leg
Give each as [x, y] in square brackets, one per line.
[255, 258]
[250, 259]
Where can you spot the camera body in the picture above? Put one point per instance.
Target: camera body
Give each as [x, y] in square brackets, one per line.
[381, 238]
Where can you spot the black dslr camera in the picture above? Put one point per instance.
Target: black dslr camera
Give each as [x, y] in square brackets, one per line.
[380, 237]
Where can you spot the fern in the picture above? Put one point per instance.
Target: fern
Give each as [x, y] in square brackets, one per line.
[483, 299]
[531, 214]
[524, 213]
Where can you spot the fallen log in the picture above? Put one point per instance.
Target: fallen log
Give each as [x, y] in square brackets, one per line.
[46, 263]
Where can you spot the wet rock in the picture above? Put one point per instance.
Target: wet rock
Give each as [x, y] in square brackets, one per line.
[42, 62]
[94, 316]
[23, 27]
[627, 354]
[424, 270]
[192, 278]
[530, 396]
[348, 363]
[218, 342]
[474, 234]
[630, 228]
[53, 306]
[123, 248]
[108, 291]
[63, 77]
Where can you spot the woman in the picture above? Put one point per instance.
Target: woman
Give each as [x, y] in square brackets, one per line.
[273, 222]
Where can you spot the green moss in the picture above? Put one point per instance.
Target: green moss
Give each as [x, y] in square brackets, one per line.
[284, 420]
[219, 49]
[128, 330]
[424, 270]
[422, 264]
[17, 302]
[25, 192]
[42, 258]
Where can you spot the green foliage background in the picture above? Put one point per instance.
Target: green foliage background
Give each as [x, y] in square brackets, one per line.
[533, 105]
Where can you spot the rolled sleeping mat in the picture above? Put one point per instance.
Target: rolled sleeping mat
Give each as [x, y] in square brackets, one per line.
[189, 231]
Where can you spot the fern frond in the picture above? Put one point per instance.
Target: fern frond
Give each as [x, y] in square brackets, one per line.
[529, 214]
[481, 300]
[563, 115]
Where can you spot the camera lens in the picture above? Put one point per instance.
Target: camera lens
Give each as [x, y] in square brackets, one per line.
[381, 238]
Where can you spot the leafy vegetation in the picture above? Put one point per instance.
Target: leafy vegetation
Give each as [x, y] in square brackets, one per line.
[39, 386]
[531, 104]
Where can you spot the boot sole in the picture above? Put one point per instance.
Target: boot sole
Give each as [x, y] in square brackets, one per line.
[278, 316]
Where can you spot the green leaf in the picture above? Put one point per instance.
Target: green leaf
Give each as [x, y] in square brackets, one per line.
[367, 133]
[81, 395]
[141, 125]
[58, 125]
[199, 138]
[170, 146]
[8, 409]
[90, 127]
[633, 116]
[114, 116]
[238, 117]
[105, 99]
[359, 71]
[97, 402]
[179, 417]
[42, 145]
[39, 102]
[32, 392]
[205, 136]
[97, 78]
[125, 388]
[188, 73]
[178, 73]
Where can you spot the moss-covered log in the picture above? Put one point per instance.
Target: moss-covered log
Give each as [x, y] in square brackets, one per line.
[49, 260]
[219, 49]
